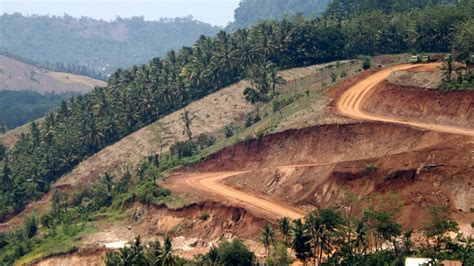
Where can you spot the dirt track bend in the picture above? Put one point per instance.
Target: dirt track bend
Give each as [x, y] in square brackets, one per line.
[349, 104]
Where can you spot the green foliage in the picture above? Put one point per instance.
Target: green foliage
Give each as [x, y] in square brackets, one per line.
[183, 149]
[154, 253]
[281, 102]
[279, 256]
[31, 226]
[205, 140]
[204, 216]
[366, 63]
[370, 168]
[150, 193]
[250, 12]
[348, 8]
[233, 253]
[228, 130]
[21, 107]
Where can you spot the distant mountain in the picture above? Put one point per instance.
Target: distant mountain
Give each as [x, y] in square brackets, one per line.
[85, 41]
[349, 8]
[20, 76]
[251, 11]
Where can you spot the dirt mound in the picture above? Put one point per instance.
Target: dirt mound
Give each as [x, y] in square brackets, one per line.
[455, 108]
[322, 144]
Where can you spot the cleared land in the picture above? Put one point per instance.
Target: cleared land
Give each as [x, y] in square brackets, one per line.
[16, 76]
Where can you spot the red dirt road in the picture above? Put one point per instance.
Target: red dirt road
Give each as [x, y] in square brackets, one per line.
[351, 101]
[349, 104]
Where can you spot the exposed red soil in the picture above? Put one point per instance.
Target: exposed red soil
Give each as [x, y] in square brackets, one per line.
[454, 108]
[322, 144]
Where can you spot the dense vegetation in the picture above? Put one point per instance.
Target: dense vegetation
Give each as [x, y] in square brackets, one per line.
[349, 8]
[21, 107]
[69, 214]
[142, 94]
[96, 43]
[250, 12]
[330, 237]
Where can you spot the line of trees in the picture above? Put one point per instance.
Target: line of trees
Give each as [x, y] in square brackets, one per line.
[140, 95]
[330, 237]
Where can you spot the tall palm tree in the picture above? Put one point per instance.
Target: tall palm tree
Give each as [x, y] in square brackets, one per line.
[268, 238]
[167, 257]
[284, 226]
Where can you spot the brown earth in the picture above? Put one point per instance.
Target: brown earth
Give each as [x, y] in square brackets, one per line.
[453, 108]
[209, 115]
[298, 149]
[16, 75]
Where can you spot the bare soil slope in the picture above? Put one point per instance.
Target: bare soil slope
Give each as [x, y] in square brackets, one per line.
[16, 75]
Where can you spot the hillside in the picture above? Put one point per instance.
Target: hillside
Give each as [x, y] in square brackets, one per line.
[96, 43]
[225, 139]
[250, 12]
[19, 76]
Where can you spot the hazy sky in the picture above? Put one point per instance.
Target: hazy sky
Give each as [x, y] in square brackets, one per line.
[216, 12]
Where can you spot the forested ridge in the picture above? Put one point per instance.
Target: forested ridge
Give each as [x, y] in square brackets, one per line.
[250, 12]
[140, 95]
[89, 44]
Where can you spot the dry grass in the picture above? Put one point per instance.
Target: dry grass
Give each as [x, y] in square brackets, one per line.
[16, 76]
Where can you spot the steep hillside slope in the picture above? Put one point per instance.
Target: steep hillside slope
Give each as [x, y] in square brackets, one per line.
[17, 76]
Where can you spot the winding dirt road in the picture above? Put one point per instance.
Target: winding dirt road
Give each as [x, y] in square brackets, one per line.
[349, 104]
[351, 101]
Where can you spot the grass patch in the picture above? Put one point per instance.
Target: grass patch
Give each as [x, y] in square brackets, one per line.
[63, 242]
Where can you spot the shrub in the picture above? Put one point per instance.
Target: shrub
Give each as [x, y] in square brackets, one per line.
[149, 193]
[204, 216]
[366, 63]
[248, 121]
[370, 168]
[333, 77]
[31, 226]
[235, 253]
[183, 149]
[228, 130]
[205, 140]
[343, 74]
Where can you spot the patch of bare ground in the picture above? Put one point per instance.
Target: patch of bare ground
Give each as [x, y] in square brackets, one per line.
[423, 168]
[16, 75]
[426, 76]
[90, 257]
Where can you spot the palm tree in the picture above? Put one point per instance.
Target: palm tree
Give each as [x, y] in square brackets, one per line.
[284, 226]
[154, 254]
[276, 80]
[167, 257]
[268, 237]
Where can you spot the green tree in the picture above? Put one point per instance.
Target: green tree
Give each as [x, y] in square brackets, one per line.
[268, 238]
[285, 229]
[301, 241]
[235, 253]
